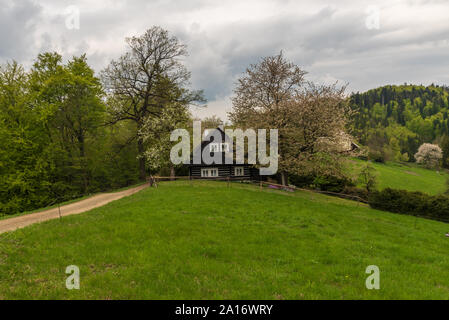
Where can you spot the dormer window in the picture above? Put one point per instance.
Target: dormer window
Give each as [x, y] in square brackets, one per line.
[218, 147]
[214, 147]
[224, 147]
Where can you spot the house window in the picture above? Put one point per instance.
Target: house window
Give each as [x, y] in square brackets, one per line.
[239, 171]
[209, 172]
[224, 147]
[214, 147]
[219, 147]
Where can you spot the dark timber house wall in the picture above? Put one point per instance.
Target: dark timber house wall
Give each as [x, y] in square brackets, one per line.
[233, 171]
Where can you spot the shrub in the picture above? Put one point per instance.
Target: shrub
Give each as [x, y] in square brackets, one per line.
[439, 208]
[363, 157]
[405, 157]
[301, 181]
[358, 192]
[446, 192]
[324, 171]
[331, 183]
[376, 156]
[321, 182]
[411, 203]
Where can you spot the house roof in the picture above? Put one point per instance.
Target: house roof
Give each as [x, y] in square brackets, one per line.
[210, 136]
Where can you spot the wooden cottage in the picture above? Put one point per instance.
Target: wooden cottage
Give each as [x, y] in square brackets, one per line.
[220, 170]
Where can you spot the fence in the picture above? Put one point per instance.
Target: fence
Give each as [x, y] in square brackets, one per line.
[153, 181]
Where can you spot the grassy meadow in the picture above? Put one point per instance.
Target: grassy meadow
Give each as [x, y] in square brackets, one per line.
[410, 177]
[210, 241]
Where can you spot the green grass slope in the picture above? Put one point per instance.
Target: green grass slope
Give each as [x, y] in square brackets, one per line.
[407, 177]
[210, 241]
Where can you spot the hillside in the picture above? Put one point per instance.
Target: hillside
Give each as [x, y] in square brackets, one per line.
[209, 241]
[396, 120]
[405, 176]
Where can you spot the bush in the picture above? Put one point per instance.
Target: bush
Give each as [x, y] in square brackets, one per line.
[301, 181]
[323, 171]
[439, 208]
[331, 183]
[376, 156]
[411, 203]
[321, 182]
[358, 192]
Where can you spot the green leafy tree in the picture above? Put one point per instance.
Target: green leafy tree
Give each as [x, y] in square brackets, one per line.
[368, 178]
[53, 145]
[444, 143]
[69, 96]
[25, 168]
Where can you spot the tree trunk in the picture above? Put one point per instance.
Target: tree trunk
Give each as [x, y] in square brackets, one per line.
[83, 160]
[140, 149]
[283, 178]
[172, 173]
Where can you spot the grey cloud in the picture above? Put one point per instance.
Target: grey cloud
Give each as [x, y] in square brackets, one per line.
[18, 21]
[329, 41]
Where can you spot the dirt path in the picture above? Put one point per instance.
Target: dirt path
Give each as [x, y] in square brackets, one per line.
[73, 208]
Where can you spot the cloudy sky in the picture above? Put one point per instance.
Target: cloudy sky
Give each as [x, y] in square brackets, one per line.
[363, 43]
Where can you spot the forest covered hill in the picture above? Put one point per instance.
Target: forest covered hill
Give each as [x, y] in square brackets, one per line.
[393, 121]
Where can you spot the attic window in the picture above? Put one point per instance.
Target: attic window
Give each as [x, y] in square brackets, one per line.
[218, 147]
[224, 147]
[214, 147]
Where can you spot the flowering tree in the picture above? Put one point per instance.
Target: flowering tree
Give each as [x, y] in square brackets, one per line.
[429, 155]
[155, 132]
[273, 94]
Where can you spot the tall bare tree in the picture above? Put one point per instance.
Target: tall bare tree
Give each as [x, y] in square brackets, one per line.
[148, 77]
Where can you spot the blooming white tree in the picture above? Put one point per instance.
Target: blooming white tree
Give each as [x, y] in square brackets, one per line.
[429, 155]
[274, 94]
[155, 132]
